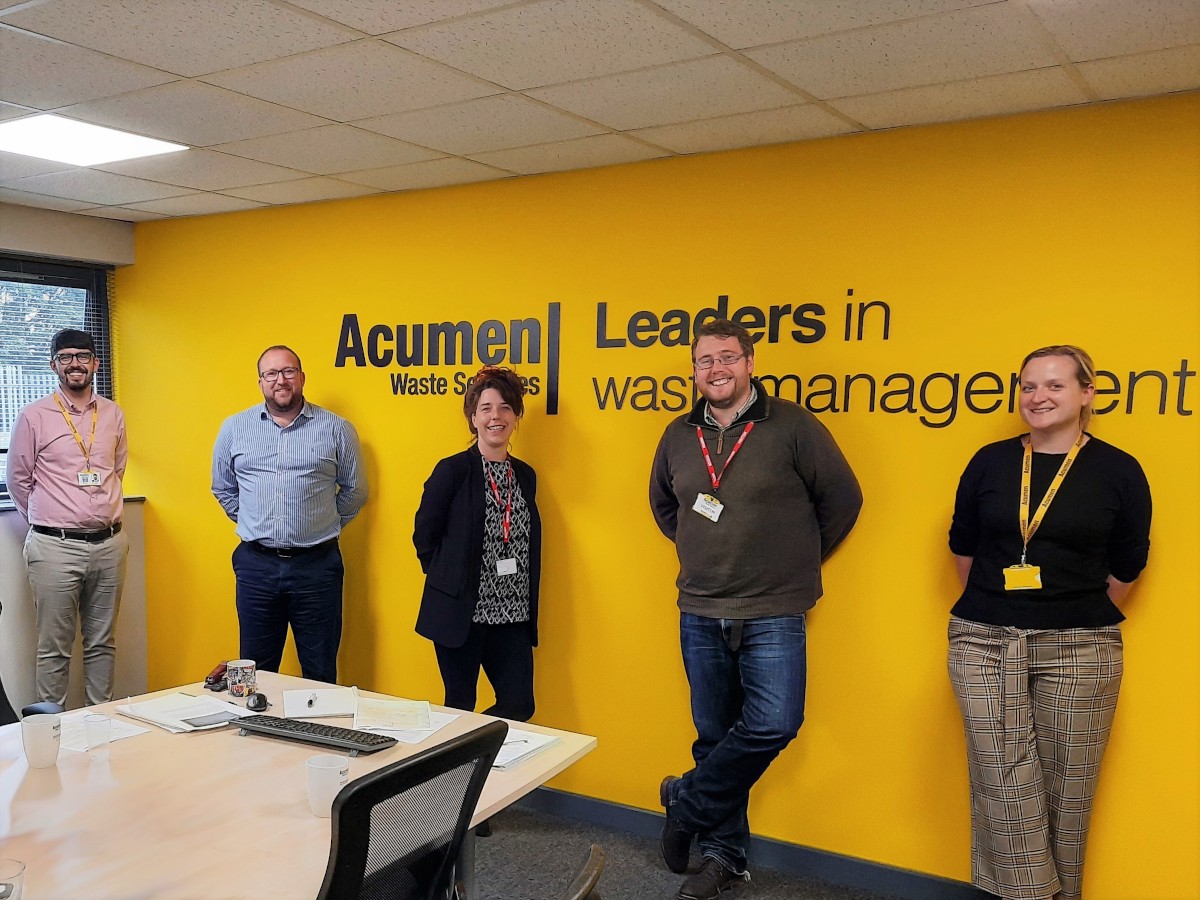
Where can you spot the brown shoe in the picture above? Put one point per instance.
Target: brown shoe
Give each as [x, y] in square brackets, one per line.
[710, 881]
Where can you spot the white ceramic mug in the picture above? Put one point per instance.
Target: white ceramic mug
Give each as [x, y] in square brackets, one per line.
[41, 735]
[12, 874]
[241, 676]
[326, 775]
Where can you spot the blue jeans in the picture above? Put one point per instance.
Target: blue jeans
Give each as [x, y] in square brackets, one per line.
[747, 704]
[304, 590]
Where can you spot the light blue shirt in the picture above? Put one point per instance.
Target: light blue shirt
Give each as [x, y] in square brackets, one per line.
[292, 486]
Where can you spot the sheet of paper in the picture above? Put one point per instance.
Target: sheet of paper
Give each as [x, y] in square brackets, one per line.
[319, 703]
[520, 745]
[74, 738]
[172, 711]
[437, 721]
[391, 715]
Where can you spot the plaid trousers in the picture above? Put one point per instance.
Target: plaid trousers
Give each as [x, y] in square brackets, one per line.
[1037, 706]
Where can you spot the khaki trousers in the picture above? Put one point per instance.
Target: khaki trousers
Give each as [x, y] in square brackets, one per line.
[76, 586]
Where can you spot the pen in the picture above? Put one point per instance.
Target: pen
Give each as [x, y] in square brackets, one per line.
[312, 700]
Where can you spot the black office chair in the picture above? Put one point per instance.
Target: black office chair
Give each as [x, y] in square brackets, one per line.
[7, 714]
[397, 831]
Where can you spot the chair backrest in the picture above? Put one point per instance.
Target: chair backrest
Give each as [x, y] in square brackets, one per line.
[397, 832]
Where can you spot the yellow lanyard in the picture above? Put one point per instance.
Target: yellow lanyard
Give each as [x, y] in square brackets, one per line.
[87, 451]
[1028, 527]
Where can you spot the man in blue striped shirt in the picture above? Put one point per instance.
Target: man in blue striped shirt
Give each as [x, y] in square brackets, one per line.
[291, 475]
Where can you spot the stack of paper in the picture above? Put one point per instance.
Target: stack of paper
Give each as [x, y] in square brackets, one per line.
[519, 746]
[183, 712]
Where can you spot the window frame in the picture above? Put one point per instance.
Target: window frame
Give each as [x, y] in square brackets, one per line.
[95, 279]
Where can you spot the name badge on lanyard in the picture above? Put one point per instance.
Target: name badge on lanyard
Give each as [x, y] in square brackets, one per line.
[707, 504]
[1022, 576]
[507, 566]
[88, 478]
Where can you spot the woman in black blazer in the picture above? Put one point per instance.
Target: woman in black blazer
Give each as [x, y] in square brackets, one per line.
[479, 539]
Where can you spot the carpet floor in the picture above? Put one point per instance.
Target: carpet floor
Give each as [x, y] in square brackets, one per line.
[533, 855]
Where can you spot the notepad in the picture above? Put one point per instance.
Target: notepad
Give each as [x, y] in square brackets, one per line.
[319, 703]
[379, 714]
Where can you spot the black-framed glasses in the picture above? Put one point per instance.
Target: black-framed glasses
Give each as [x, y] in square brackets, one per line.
[289, 373]
[725, 359]
[83, 356]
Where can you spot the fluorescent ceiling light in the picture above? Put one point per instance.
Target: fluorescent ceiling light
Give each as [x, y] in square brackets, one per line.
[77, 143]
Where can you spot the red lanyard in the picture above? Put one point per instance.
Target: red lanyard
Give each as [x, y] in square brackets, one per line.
[712, 473]
[506, 525]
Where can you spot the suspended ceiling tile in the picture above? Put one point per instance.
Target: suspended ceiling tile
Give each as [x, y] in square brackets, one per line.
[1164, 71]
[989, 40]
[45, 73]
[770, 126]
[186, 37]
[41, 201]
[1092, 29]
[196, 205]
[555, 41]
[204, 170]
[749, 23]
[489, 123]
[330, 149]
[354, 81]
[581, 153]
[96, 188]
[306, 190]
[193, 113]
[12, 111]
[121, 213]
[702, 88]
[435, 173]
[997, 95]
[379, 16]
[17, 165]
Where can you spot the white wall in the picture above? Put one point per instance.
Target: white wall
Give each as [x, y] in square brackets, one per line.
[18, 633]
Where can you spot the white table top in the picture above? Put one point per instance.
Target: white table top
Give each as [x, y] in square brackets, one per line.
[205, 814]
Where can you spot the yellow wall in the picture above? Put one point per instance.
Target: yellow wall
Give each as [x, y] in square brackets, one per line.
[985, 239]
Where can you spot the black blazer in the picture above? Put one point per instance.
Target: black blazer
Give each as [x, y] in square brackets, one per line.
[448, 535]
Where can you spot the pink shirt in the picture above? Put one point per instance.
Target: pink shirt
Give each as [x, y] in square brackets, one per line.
[44, 462]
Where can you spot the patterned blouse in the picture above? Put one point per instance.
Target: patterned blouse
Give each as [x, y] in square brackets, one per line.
[503, 599]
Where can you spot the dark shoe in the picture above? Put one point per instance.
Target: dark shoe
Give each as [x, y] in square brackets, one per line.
[710, 881]
[484, 828]
[676, 842]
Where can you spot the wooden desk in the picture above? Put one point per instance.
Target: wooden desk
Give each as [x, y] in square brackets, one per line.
[207, 814]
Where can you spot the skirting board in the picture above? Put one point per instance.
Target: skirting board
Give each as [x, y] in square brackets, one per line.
[832, 867]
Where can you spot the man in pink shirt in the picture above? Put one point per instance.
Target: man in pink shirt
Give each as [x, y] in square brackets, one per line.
[66, 459]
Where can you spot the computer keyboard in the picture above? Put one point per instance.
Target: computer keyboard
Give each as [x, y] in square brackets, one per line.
[348, 739]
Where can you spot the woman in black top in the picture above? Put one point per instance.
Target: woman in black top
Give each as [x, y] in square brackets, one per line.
[478, 537]
[1035, 648]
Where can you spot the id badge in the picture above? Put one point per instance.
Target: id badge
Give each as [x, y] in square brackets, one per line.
[506, 566]
[88, 478]
[708, 506]
[1023, 578]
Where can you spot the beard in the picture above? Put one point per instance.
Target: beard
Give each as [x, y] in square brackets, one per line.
[64, 378]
